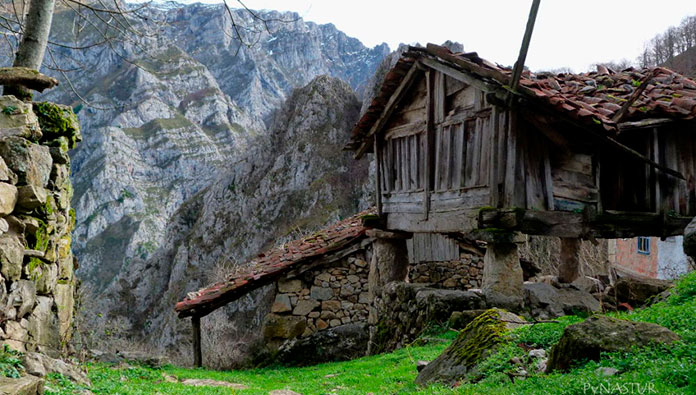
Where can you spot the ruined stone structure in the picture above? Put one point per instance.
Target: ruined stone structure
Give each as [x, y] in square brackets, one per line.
[37, 282]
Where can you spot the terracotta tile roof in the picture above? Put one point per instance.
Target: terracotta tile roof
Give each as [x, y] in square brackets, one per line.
[593, 98]
[272, 264]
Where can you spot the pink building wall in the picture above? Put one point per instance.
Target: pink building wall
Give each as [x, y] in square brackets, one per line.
[628, 257]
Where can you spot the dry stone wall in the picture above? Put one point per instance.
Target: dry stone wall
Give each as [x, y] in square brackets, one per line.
[319, 299]
[37, 282]
[465, 273]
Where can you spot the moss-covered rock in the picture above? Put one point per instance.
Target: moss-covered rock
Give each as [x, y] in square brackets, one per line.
[475, 342]
[598, 334]
[58, 121]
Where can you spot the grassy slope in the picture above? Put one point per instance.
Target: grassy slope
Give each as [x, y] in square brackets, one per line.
[669, 370]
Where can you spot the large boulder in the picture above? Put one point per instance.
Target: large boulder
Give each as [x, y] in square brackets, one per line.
[545, 301]
[340, 343]
[439, 304]
[598, 334]
[475, 342]
[26, 385]
[635, 290]
[283, 326]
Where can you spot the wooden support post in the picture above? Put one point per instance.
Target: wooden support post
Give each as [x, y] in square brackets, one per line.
[378, 175]
[197, 354]
[569, 269]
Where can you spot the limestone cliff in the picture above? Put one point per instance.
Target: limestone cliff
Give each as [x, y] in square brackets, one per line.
[293, 179]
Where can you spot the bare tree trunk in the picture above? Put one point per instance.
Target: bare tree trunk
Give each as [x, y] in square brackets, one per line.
[30, 52]
[35, 38]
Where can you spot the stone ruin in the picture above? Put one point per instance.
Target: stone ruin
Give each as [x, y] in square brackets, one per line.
[37, 292]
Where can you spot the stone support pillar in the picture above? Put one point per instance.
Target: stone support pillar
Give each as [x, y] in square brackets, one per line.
[569, 269]
[502, 275]
[389, 260]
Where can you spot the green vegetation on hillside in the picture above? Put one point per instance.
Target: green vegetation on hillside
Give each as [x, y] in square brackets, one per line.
[657, 370]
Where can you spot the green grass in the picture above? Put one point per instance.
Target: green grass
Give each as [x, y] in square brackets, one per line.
[658, 370]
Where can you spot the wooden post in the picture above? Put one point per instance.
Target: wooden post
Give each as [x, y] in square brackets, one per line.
[519, 65]
[429, 142]
[197, 354]
[378, 175]
[569, 269]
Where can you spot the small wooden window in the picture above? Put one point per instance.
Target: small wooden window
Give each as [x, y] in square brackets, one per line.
[644, 245]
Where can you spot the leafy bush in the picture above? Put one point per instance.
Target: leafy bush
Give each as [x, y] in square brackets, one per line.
[10, 363]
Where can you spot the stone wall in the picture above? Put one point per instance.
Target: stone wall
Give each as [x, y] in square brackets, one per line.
[318, 299]
[465, 273]
[404, 310]
[37, 283]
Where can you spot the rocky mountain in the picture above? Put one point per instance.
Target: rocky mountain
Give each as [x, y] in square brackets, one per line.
[173, 111]
[292, 179]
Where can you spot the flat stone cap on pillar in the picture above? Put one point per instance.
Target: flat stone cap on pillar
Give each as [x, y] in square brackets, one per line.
[386, 234]
[26, 77]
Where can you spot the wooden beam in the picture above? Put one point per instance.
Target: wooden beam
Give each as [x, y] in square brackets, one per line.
[519, 65]
[444, 54]
[643, 124]
[634, 96]
[197, 352]
[610, 224]
[388, 108]
[459, 75]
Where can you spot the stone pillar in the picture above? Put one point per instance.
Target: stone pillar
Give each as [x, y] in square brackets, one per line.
[569, 269]
[389, 263]
[502, 276]
[389, 260]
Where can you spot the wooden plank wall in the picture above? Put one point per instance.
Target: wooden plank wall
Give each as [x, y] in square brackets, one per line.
[402, 163]
[432, 247]
[461, 147]
[677, 150]
[528, 174]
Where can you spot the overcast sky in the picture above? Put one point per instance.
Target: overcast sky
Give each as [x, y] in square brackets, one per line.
[568, 33]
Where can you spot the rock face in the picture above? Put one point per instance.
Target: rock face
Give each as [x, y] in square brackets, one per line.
[295, 177]
[38, 284]
[597, 334]
[474, 343]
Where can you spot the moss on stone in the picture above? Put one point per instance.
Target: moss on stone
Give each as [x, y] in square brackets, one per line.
[40, 242]
[480, 335]
[58, 121]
